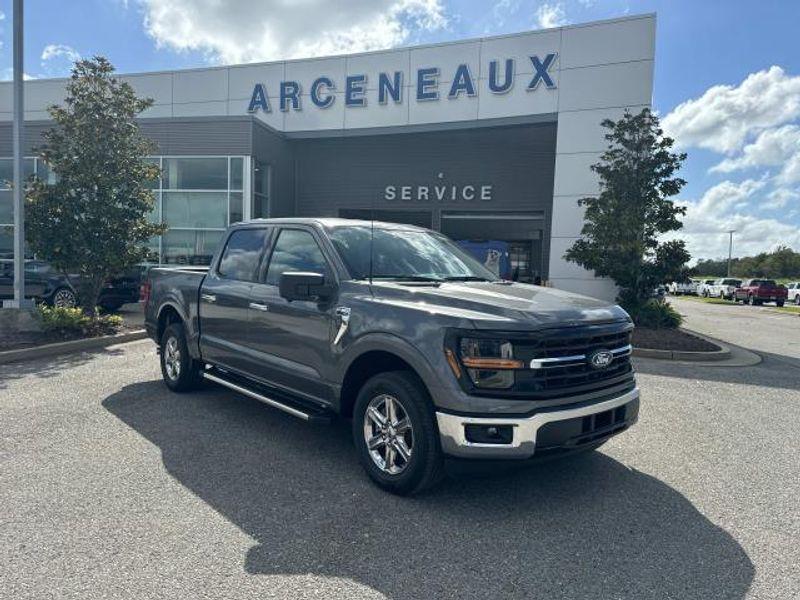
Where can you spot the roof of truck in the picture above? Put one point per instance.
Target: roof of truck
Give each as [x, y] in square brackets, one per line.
[333, 222]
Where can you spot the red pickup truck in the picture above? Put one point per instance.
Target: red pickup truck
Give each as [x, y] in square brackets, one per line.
[758, 291]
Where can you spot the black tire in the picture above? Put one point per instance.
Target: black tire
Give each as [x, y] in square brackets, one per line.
[186, 376]
[797, 299]
[426, 464]
[111, 308]
[779, 303]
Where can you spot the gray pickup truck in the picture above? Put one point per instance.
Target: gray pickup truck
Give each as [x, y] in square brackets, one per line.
[394, 326]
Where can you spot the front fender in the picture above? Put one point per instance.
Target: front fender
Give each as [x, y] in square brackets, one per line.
[386, 342]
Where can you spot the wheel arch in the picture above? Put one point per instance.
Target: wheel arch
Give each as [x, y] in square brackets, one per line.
[168, 313]
[379, 353]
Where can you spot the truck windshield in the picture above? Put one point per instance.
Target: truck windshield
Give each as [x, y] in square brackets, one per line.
[405, 254]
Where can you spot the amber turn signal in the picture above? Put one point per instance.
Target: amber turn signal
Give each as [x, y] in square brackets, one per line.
[491, 364]
[453, 362]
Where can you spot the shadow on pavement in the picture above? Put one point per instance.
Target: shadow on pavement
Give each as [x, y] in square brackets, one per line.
[775, 371]
[586, 527]
[50, 366]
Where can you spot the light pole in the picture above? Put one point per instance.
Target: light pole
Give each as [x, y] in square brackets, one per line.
[730, 249]
[19, 208]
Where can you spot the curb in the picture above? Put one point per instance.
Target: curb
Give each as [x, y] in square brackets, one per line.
[723, 353]
[10, 356]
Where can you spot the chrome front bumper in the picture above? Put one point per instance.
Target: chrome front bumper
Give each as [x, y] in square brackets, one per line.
[523, 443]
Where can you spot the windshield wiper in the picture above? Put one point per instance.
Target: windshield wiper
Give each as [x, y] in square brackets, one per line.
[409, 278]
[466, 278]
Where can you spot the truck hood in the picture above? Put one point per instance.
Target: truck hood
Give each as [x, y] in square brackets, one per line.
[499, 305]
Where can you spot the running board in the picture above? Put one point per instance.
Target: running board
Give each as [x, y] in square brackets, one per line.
[309, 414]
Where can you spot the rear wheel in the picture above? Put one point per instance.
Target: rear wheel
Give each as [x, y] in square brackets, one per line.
[64, 298]
[395, 433]
[779, 303]
[180, 371]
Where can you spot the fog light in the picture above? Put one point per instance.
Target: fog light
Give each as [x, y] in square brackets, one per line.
[489, 434]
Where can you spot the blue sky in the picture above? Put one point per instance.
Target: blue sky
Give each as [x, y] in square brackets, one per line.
[743, 140]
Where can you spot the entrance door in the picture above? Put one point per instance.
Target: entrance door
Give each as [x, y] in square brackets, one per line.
[521, 233]
[293, 338]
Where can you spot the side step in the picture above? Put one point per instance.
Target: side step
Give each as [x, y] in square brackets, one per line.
[276, 399]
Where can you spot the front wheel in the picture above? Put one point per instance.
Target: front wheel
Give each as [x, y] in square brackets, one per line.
[395, 433]
[797, 299]
[180, 371]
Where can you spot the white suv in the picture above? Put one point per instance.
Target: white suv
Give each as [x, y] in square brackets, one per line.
[794, 292]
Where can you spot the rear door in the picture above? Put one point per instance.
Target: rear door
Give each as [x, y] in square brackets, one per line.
[293, 338]
[224, 310]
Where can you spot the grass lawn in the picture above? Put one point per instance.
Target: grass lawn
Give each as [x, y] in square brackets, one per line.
[701, 299]
[789, 308]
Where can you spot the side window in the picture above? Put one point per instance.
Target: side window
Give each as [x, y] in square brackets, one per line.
[295, 250]
[242, 252]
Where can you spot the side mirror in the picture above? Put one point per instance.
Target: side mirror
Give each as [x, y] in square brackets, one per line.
[304, 286]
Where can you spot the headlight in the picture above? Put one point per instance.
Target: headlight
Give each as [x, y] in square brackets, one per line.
[490, 363]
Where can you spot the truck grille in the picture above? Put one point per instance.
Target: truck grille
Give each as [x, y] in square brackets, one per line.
[562, 361]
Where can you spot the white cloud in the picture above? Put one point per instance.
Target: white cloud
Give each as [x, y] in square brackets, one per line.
[724, 207]
[52, 51]
[259, 30]
[502, 11]
[550, 15]
[726, 116]
[781, 198]
[777, 147]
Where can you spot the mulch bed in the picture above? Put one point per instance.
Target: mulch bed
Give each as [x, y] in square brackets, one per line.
[29, 339]
[671, 339]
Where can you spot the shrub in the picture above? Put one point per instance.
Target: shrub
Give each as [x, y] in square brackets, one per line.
[655, 314]
[73, 322]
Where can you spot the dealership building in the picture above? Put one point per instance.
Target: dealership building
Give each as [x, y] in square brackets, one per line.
[487, 140]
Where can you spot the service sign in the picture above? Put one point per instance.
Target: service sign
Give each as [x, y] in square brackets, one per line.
[426, 86]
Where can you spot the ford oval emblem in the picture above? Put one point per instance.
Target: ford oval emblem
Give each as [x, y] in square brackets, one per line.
[600, 359]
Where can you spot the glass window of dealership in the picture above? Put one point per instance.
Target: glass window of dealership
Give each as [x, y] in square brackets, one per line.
[196, 196]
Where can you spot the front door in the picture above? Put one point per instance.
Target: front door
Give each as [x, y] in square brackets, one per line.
[225, 313]
[293, 338]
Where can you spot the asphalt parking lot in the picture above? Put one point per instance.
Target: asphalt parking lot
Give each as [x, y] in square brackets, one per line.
[112, 487]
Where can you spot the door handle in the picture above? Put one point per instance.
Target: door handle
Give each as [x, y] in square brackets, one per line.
[208, 298]
[257, 306]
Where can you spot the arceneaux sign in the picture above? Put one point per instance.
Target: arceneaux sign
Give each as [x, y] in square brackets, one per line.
[390, 86]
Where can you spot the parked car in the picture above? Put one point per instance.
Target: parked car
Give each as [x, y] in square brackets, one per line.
[683, 287]
[44, 284]
[793, 292]
[704, 287]
[724, 288]
[400, 329]
[758, 291]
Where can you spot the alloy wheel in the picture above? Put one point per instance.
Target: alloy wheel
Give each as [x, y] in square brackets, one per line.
[172, 358]
[64, 298]
[388, 434]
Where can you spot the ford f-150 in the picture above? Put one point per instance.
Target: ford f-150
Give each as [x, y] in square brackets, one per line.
[396, 327]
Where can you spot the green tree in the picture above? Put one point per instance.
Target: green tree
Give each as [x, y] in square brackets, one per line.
[94, 220]
[623, 225]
